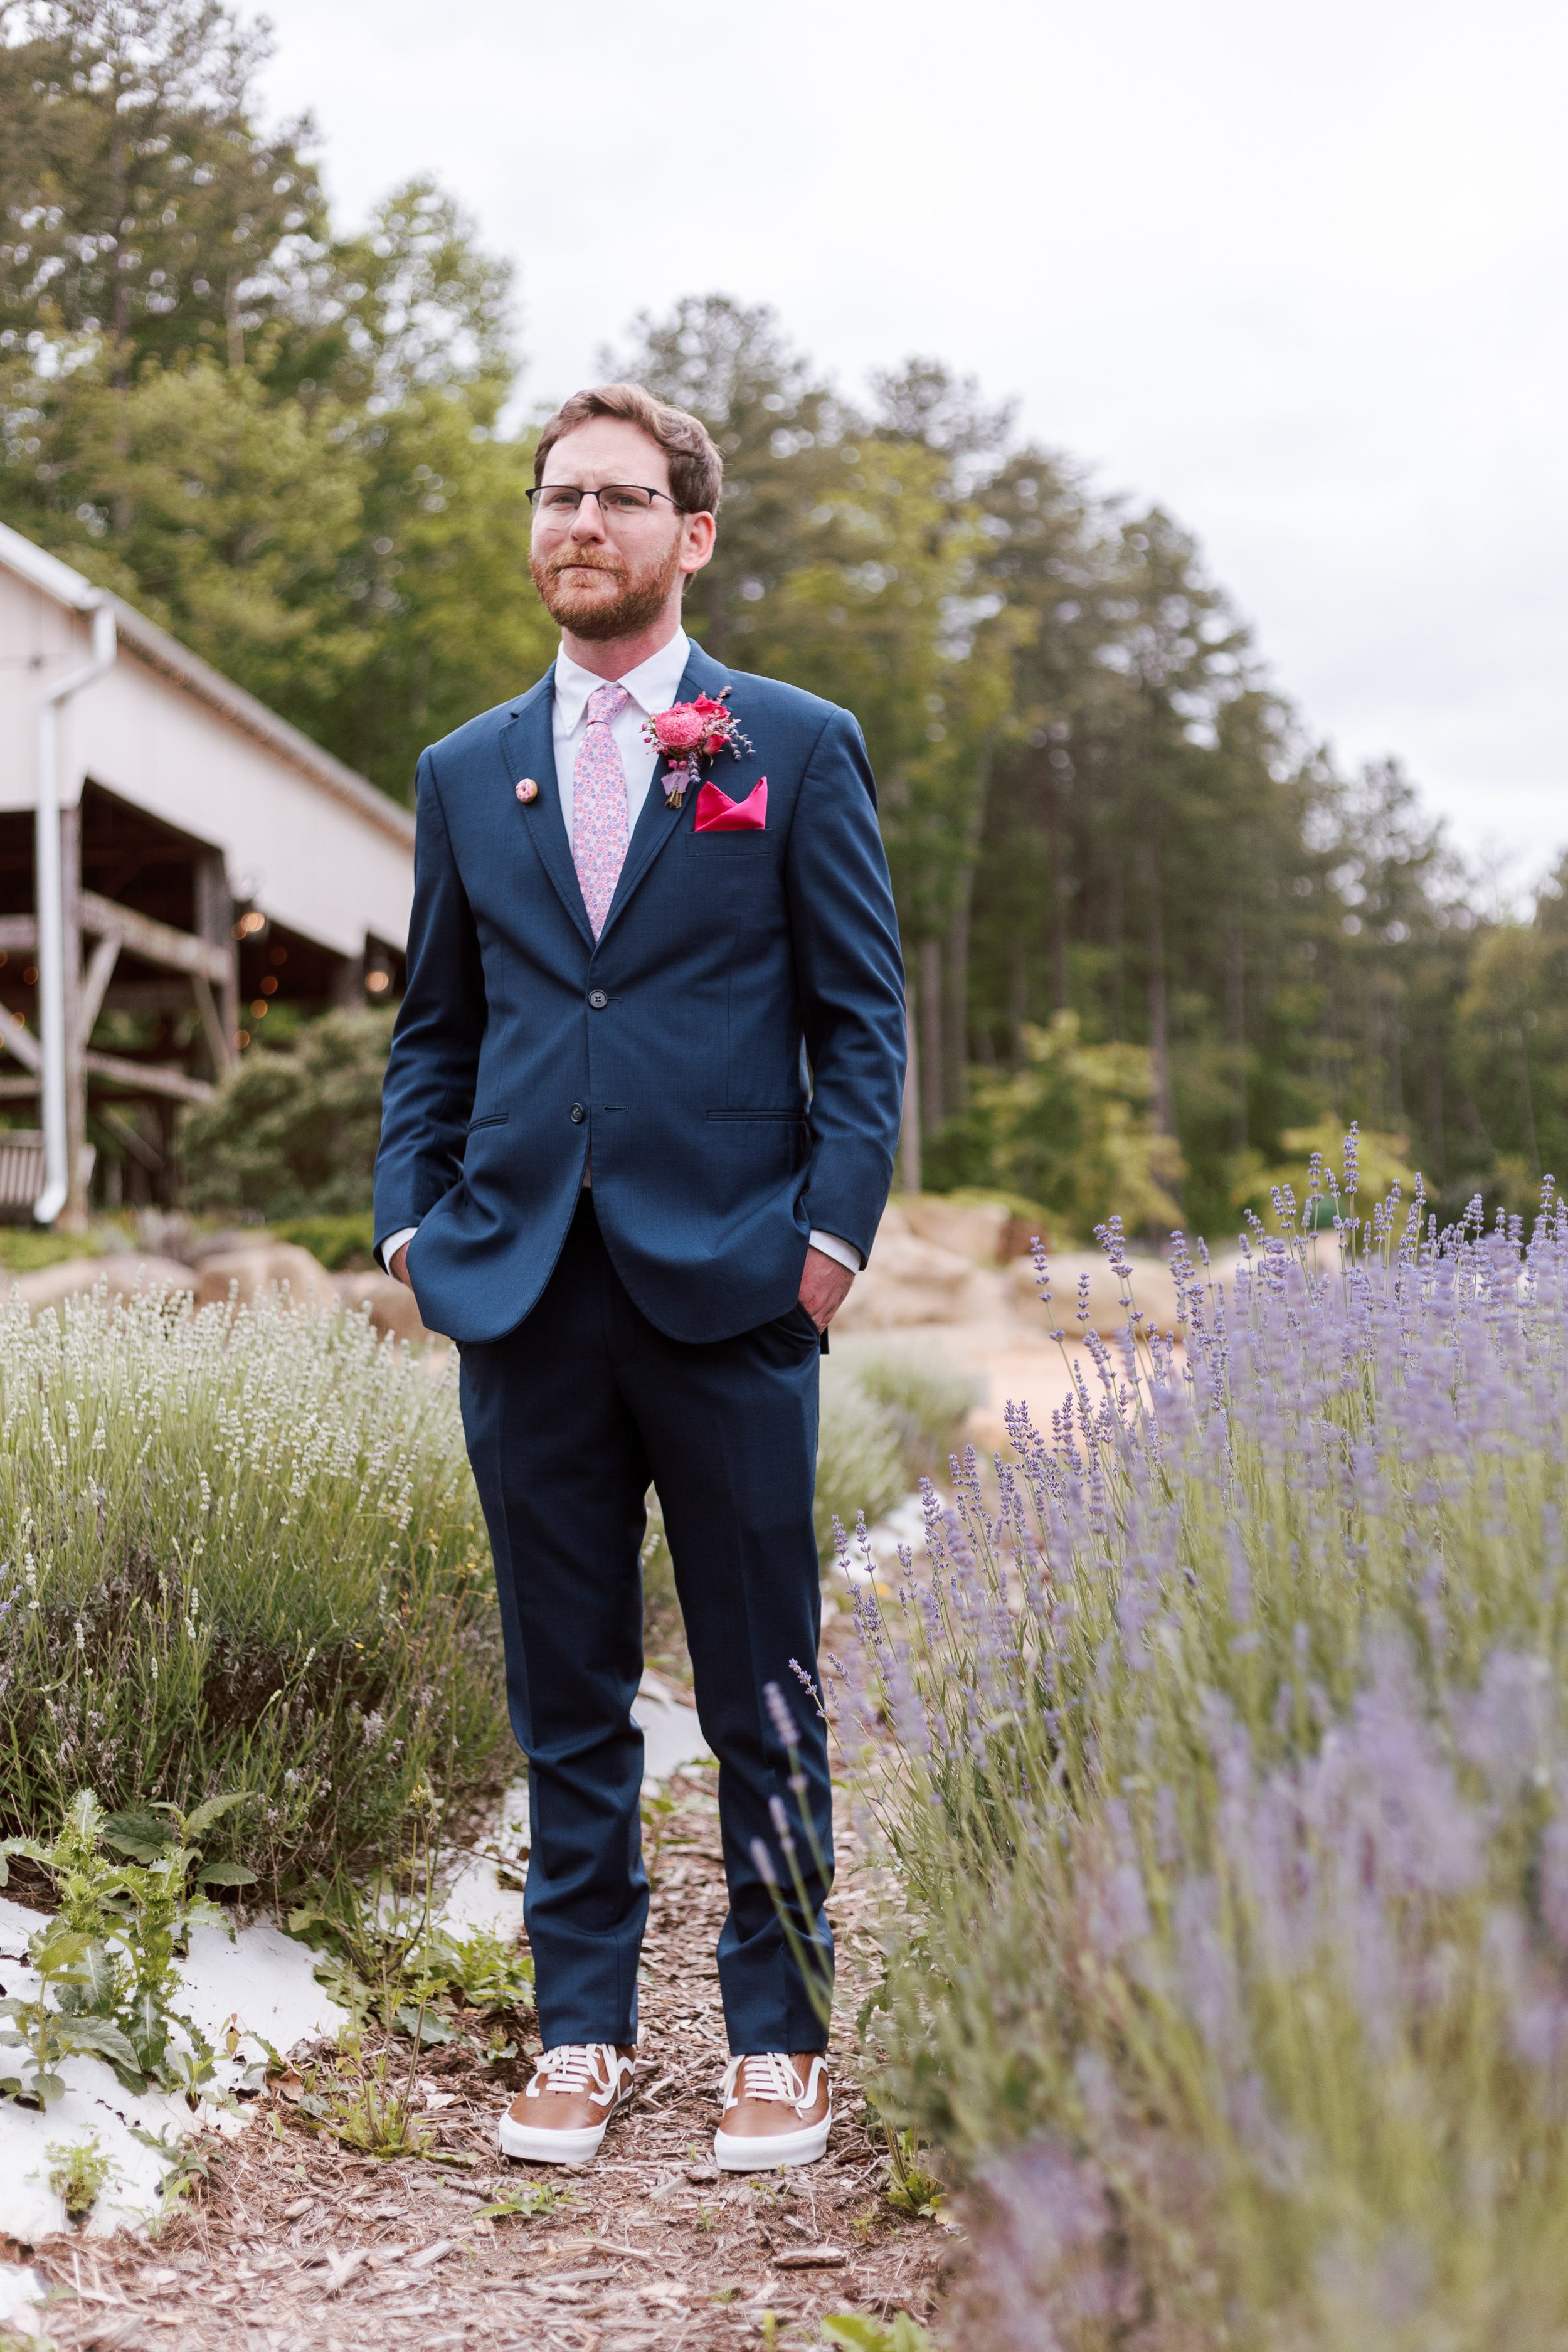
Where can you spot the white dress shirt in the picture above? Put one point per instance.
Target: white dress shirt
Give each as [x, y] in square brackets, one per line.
[653, 685]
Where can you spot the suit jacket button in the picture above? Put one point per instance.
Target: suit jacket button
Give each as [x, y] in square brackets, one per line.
[598, 1000]
[577, 1114]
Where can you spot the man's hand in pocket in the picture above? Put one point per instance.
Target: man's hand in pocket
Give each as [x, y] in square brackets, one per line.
[824, 1287]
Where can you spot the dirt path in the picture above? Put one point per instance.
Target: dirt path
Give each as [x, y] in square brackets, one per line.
[298, 2243]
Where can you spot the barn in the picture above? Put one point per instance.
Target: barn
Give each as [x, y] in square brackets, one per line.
[176, 864]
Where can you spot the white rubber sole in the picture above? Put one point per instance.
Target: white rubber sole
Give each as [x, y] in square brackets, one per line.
[733, 2153]
[529, 2144]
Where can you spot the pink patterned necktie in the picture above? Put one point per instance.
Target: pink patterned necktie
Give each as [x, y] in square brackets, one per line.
[599, 827]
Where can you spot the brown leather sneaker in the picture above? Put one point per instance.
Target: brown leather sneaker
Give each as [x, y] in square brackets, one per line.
[778, 2109]
[561, 2116]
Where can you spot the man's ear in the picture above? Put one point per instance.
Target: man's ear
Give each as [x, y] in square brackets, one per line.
[699, 533]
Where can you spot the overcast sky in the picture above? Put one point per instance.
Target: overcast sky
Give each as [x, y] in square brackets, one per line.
[1297, 271]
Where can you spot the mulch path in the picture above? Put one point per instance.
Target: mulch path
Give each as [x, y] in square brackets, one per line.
[296, 2242]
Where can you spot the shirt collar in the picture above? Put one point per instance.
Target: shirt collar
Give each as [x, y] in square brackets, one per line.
[653, 684]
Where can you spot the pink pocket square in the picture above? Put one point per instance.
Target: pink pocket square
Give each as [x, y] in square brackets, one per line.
[717, 812]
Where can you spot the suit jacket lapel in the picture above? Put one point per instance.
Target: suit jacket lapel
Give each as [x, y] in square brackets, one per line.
[528, 746]
[659, 822]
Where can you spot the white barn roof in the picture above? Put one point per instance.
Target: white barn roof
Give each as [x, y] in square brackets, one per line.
[304, 838]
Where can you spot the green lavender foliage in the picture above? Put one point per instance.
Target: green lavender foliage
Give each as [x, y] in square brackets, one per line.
[1221, 1757]
[239, 1550]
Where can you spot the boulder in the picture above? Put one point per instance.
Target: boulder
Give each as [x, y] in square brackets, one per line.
[252, 1271]
[914, 1281]
[393, 1305]
[122, 1276]
[976, 1230]
[1153, 1291]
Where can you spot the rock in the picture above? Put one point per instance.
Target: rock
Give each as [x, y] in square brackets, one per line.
[1153, 1291]
[252, 1271]
[976, 1230]
[123, 1275]
[393, 1305]
[913, 1281]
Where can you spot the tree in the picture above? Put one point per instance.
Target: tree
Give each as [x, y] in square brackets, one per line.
[145, 213]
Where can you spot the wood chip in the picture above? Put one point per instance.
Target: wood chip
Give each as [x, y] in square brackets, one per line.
[810, 2258]
[300, 2207]
[428, 2256]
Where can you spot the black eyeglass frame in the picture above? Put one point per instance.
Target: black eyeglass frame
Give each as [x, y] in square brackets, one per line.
[537, 492]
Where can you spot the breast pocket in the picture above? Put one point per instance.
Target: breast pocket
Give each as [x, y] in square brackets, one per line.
[724, 845]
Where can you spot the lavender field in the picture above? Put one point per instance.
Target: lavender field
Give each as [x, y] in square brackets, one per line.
[1227, 1804]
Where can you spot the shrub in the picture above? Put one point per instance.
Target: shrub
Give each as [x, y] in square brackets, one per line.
[338, 1242]
[1224, 1769]
[293, 1133]
[927, 1401]
[1073, 1131]
[239, 1550]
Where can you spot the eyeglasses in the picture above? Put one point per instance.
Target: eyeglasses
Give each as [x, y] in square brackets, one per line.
[561, 499]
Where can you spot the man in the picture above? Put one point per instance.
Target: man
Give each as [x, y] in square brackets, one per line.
[637, 1133]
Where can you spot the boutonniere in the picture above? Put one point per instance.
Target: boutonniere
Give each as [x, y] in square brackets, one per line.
[689, 732]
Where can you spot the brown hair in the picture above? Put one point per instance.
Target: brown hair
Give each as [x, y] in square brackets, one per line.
[696, 468]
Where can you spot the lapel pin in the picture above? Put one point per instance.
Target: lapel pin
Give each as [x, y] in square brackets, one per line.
[527, 790]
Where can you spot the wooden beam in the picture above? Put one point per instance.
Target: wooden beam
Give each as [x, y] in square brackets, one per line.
[21, 1040]
[95, 981]
[154, 943]
[18, 1089]
[149, 1077]
[18, 934]
[220, 1042]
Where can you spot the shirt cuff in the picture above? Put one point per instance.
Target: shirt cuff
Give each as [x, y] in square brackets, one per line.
[843, 1254]
[393, 1244]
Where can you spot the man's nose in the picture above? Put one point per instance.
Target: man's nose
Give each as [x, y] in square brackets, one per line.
[588, 522]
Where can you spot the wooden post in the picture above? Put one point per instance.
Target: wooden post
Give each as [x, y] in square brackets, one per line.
[73, 1217]
[215, 923]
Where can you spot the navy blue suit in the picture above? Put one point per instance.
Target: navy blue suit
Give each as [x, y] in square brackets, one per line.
[731, 1053]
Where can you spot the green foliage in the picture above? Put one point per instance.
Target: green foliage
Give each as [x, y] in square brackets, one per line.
[28, 1249]
[293, 1134]
[242, 1550]
[537, 2201]
[856, 2333]
[338, 1242]
[106, 1961]
[78, 2172]
[1073, 1129]
[928, 1403]
[912, 2190]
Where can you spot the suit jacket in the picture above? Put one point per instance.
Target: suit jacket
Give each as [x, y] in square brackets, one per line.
[732, 1050]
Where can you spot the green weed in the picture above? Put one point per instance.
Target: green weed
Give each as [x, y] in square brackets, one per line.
[911, 2191]
[532, 2203]
[106, 1960]
[79, 2170]
[856, 2333]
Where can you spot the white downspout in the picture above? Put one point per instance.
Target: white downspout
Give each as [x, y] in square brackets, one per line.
[48, 899]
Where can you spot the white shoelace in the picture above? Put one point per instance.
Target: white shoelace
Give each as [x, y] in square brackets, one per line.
[769, 2075]
[592, 2066]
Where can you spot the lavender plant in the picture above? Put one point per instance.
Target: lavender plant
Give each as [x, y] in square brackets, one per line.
[1222, 1758]
[239, 1548]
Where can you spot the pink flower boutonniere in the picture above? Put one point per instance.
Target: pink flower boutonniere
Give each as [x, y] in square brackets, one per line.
[689, 732]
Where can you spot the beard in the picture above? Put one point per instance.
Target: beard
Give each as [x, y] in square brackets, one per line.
[642, 597]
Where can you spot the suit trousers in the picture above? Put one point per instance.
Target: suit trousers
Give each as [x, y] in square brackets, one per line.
[569, 1418]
